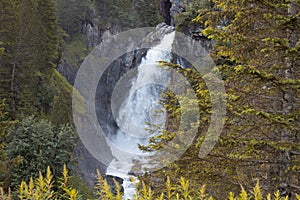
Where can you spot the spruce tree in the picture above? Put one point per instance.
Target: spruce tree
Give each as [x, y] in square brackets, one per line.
[8, 25]
[256, 48]
[30, 37]
[5, 162]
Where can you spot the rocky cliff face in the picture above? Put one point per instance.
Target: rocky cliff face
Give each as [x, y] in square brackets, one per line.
[87, 164]
[170, 8]
[95, 33]
[178, 6]
[117, 69]
[173, 10]
[94, 29]
[164, 10]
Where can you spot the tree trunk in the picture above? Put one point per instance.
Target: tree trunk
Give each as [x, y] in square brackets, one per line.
[12, 87]
[288, 107]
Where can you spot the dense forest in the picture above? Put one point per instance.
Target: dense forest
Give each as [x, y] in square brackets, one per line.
[255, 46]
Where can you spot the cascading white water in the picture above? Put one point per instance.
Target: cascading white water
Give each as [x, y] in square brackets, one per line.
[138, 108]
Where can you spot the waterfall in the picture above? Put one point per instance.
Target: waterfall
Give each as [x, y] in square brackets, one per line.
[139, 107]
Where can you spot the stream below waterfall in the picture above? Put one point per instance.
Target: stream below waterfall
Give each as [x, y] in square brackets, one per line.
[140, 106]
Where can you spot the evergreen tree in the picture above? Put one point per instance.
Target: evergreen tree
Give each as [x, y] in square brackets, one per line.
[40, 145]
[8, 25]
[72, 15]
[148, 13]
[257, 52]
[257, 44]
[5, 163]
[128, 13]
[30, 37]
[50, 35]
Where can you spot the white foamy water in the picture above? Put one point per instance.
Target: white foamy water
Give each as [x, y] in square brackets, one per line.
[139, 107]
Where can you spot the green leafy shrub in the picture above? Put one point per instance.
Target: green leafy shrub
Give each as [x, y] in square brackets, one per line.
[39, 144]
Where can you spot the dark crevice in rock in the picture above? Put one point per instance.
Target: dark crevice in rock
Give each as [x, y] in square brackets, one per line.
[107, 84]
[165, 7]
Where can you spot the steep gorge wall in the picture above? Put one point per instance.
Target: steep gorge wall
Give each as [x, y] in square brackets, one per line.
[86, 24]
[97, 25]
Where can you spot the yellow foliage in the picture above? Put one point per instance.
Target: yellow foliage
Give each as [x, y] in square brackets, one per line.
[42, 188]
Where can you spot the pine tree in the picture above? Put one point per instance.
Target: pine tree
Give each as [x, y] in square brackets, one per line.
[256, 48]
[30, 37]
[7, 26]
[72, 15]
[50, 35]
[5, 163]
[257, 44]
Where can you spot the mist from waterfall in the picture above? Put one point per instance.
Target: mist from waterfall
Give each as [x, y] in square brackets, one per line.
[139, 107]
